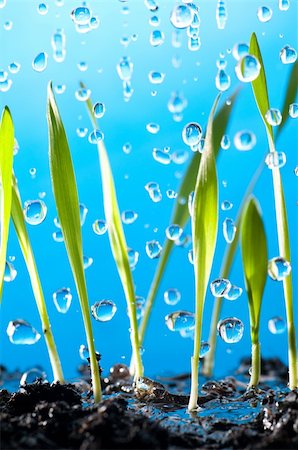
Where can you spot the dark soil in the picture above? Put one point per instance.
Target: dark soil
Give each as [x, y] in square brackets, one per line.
[153, 415]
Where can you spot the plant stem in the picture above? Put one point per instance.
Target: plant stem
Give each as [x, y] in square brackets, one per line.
[193, 400]
[255, 363]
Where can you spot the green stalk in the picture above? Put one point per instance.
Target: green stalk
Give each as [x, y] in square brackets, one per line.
[255, 363]
[24, 241]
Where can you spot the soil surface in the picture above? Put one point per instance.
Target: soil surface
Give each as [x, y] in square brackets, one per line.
[152, 414]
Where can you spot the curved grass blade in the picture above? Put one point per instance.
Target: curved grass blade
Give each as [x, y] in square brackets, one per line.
[24, 241]
[290, 97]
[180, 214]
[118, 244]
[261, 97]
[6, 161]
[255, 262]
[67, 203]
[204, 235]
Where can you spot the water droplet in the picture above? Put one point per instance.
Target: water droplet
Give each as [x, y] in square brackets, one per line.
[40, 62]
[190, 256]
[161, 156]
[99, 226]
[171, 193]
[82, 132]
[293, 110]
[264, 14]
[240, 50]
[9, 272]
[58, 236]
[87, 262]
[194, 44]
[82, 94]
[296, 171]
[21, 332]
[245, 140]
[192, 133]
[222, 80]
[157, 38]
[156, 77]
[233, 293]
[220, 287]
[35, 211]
[104, 310]
[225, 142]
[173, 232]
[275, 160]
[152, 127]
[84, 352]
[226, 205]
[42, 9]
[204, 349]
[221, 14]
[177, 103]
[288, 55]
[2, 3]
[95, 136]
[127, 148]
[181, 16]
[140, 306]
[62, 300]
[94, 22]
[83, 213]
[129, 216]
[151, 5]
[58, 43]
[81, 15]
[14, 67]
[32, 172]
[60, 88]
[133, 258]
[180, 156]
[279, 268]
[155, 195]
[229, 230]
[277, 325]
[153, 249]
[284, 5]
[8, 25]
[172, 296]
[99, 109]
[230, 330]
[180, 320]
[151, 185]
[31, 376]
[82, 66]
[273, 117]
[248, 68]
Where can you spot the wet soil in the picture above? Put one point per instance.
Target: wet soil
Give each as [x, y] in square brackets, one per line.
[152, 414]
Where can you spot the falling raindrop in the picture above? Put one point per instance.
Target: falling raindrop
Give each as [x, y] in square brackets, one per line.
[35, 211]
[99, 109]
[220, 287]
[229, 230]
[230, 330]
[180, 320]
[284, 5]
[21, 332]
[104, 310]
[10, 272]
[172, 296]
[277, 325]
[40, 62]
[222, 80]
[62, 300]
[279, 268]
[14, 67]
[42, 9]
[221, 14]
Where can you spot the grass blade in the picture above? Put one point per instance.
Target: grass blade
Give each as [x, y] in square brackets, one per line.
[6, 161]
[180, 214]
[204, 235]
[118, 244]
[24, 241]
[255, 262]
[261, 96]
[289, 97]
[67, 203]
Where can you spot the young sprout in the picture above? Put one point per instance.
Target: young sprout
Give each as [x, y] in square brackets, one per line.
[204, 233]
[67, 203]
[259, 86]
[255, 261]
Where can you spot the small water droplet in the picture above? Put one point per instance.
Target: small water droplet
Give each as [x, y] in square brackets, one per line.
[245, 140]
[233, 293]
[87, 262]
[173, 232]
[152, 127]
[104, 310]
[288, 55]
[171, 193]
[58, 236]
[204, 349]
[133, 258]
[82, 132]
[129, 216]
[62, 300]
[31, 376]
[180, 320]
[10, 272]
[14, 67]
[82, 66]
[140, 306]
[192, 134]
[221, 14]
[157, 38]
[277, 325]
[264, 13]
[35, 211]
[82, 94]
[81, 15]
[248, 68]
[95, 137]
[279, 268]
[40, 62]
[153, 249]
[275, 160]
[273, 117]
[60, 88]
[229, 230]
[225, 142]
[172, 296]
[99, 109]
[220, 287]
[240, 50]
[222, 80]
[21, 332]
[125, 68]
[293, 110]
[84, 352]
[151, 5]
[99, 226]
[284, 5]
[177, 103]
[161, 156]
[226, 205]
[156, 77]
[127, 148]
[42, 9]
[181, 16]
[230, 330]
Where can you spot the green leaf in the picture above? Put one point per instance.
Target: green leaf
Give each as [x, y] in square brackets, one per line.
[290, 96]
[118, 243]
[204, 235]
[67, 204]
[254, 260]
[6, 161]
[180, 214]
[24, 241]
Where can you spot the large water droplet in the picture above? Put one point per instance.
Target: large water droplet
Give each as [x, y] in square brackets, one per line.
[104, 310]
[35, 211]
[273, 117]
[277, 325]
[275, 159]
[233, 293]
[81, 15]
[99, 226]
[222, 80]
[173, 232]
[248, 68]
[230, 330]
[288, 55]
[42, 9]
[245, 140]
[153, 249]
[31, 376]
[62, 300]
[264, 13]
[180, 320]
[220, 287]
[240, 50]
[40, 62]
[229, 230]
[192, 133]
[172, 296]
[182, 16]
[21, 332]
[284, 5]
[9, 272]
[279, 268]
[157, 38]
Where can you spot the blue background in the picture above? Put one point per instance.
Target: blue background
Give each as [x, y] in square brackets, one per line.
[123, 122]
